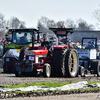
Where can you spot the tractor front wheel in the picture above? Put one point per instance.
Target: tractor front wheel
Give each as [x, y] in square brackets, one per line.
[82, 71]
[46, 70]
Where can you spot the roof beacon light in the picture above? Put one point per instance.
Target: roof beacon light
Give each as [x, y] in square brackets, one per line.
[6, 27]
[58, 26]
[38, 26]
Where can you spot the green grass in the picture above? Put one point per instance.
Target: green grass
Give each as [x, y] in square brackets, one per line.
[93, 82]
[69, 91]
[48, 84]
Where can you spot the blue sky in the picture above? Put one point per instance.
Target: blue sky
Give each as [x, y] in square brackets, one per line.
[59, 10]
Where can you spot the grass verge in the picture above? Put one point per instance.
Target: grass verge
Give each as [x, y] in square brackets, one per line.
[50, 84]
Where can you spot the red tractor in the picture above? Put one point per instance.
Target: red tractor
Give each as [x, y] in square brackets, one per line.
[51, 58]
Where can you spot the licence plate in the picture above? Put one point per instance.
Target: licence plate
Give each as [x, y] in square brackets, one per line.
[31, 58]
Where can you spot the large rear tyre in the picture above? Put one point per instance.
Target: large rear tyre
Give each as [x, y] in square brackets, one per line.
[71, 63]
[34, 73]
[46, 70]
[98, 70]
[59, 62]
[22, 53]
[95, 66]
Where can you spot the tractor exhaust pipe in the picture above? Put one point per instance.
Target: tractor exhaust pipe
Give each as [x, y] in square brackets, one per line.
[33, 41]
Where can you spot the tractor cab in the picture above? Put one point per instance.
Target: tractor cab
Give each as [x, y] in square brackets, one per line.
[89, 43]
[61, 34]
[89, 48]
[89, 57]
[17, 39]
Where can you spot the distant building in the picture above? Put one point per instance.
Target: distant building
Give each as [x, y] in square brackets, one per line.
[78, 35]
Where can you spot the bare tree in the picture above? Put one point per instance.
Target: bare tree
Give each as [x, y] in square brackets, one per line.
[22, 25]
[46, 22]
[61, 23]
[51, 24]
[2, 34]
[43, 20]
[83, 25]
[2, 22]
[96, 14]
[70, 23]
[15, 23]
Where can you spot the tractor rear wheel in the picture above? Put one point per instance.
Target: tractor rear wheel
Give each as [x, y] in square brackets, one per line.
[59, 62]
[22, 53]
[98, 70]
[95, 66]
[46, 70]
[34, 73]
[71, 63]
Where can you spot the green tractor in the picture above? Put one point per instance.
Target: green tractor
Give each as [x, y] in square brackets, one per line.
[15, 40]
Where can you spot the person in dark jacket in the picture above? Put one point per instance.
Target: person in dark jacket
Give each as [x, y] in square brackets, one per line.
[89, 46]
[47, 44]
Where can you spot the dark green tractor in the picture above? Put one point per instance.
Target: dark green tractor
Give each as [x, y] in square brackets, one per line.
[16, 40]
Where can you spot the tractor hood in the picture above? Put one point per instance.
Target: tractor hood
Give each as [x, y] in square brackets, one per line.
[14, 53]
[87, 53]
[36, 52]
[16, 46]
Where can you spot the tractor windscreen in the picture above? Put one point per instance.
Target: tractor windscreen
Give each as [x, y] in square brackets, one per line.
[22, 37]
[89, 43]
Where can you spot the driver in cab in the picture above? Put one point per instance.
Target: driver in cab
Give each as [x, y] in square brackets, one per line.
[47, 44]
[44, 43]
[89, 46]
[24, 39]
